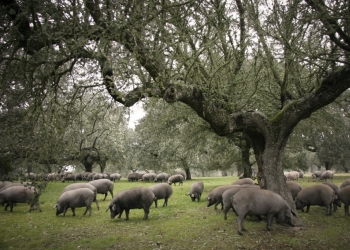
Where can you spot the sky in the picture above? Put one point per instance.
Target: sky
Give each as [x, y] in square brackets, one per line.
[136, 113]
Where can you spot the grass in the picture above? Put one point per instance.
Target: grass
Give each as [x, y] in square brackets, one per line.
[182, 225]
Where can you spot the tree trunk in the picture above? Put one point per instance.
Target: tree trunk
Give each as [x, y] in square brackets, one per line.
[188, 173]
[245, 146]
[346, 170]
[327, 165]
[88, 167]
[269, 153]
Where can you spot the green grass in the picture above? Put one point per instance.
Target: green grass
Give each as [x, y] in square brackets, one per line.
[182, 225]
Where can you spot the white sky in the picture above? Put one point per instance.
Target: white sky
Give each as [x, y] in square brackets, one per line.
[136, 113]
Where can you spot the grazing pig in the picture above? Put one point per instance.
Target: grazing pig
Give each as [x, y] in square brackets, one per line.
[130, 199]
[8, 184]
[294, 188]
[292, 176]
[321, 195]
[345, 183]
[176, 178]
[81, 197]
[162, 191]
[196, 190]
[215, 196]
[226, 196]
[344, 196]
[336, 188]
[149, 177]
[183, 173]
[83, 185]
[243, 181]
[20, 194]
[103, 186]
[327, 175]
[133, 177]
[256, 202]
[316, 174]
[114, 177]
[301, 174]
[69, 177]
[161, 177]
[4, 183]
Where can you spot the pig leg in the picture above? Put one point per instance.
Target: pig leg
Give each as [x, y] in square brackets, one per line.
[269, 221]
[88, 207]
[240, 224]
[146, 210]
[73, 210]
[11, 206]
[98, 207]
[307, 209]
[64, 210]
[120, 214]
[346, 209]
[127, 213]
[329, 209]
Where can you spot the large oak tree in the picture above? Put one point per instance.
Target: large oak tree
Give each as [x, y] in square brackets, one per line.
[220, 58]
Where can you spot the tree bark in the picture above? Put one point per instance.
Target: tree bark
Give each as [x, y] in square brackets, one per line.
[245, 146]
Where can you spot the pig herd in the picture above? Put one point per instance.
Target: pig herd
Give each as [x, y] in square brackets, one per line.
[243, 196]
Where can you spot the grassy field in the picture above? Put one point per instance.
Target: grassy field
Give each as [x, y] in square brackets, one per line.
[182, 225]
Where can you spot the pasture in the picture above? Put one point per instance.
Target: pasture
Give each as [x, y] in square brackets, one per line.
[182, 225]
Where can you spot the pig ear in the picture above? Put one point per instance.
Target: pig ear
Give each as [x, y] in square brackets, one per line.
[114, 207]
[55, 206]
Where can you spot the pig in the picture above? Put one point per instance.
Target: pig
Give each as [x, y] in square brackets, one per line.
[98, 176]
[316, 174]
[243, 181]
[133, 177]
[161, 177]
[161, 191]
[183, 173]
[321, 195]
[4, 183]
[114, 177]
[81, 197]
[345, 183]
[294, 188]
[149, 177]
[301, 174]
[20, 194]
[130, 199]
[8, 184]
[336, 188]
[344, 196]
[226, 196]
[328, 174]
[196, 190]
[69, 177]
[103, 186]
[83, 185]
[256, 202]
[292, 176]
[215, 196]
[176, 178]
